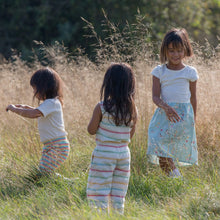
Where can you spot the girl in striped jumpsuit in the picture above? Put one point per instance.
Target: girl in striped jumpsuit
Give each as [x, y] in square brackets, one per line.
[113, 121]
[47, 88]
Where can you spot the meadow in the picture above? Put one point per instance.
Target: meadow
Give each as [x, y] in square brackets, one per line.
[151, 195]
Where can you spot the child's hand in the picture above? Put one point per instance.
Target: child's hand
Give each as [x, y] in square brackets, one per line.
[10, 107]
[172, 115]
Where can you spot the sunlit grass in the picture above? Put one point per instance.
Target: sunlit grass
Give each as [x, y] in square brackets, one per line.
[151, 195]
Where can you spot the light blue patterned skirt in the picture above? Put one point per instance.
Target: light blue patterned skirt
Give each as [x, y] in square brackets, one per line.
[173, 140]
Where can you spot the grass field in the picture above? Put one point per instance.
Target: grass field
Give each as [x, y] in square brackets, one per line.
[151, 195]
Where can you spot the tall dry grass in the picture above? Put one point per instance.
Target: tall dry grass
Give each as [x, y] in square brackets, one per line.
[83, 80]
[195, 198]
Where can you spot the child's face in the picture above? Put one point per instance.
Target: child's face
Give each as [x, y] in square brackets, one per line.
[175, 55]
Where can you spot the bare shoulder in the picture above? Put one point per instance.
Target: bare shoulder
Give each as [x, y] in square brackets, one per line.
[98, 108]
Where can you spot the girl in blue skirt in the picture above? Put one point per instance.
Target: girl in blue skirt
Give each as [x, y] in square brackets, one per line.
[171, 133]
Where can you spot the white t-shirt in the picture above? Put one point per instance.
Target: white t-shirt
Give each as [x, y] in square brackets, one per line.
[51, 124]
[175, 83]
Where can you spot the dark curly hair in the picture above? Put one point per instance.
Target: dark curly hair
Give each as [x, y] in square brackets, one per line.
[47, 84]
[118, 93]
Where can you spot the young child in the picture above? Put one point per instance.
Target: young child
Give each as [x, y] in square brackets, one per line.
[47, 88]
[171, 133]
[113, 121]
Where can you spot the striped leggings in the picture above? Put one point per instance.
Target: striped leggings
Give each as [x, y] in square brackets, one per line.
[108, 178]
[55, 152]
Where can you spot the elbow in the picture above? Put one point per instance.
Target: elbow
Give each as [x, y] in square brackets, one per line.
[91, 131]
[154, 99]
[193, 100]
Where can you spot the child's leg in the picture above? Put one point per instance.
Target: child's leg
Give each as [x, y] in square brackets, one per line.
[166, 164]
[54, 154]
[120, 183]
[100, 181]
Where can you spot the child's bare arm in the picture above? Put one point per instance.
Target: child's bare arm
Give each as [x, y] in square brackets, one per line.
[25, 112]
[193, 98]
[132, 131]
[95, 120]
[156, 94]
[24, 106]
[134, 124]
[170, 112]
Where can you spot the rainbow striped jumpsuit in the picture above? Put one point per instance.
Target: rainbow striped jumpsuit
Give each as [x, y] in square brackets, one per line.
[55, 152]
[110, 165]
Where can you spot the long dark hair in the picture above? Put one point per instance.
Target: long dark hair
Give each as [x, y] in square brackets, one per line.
[178, 37]
[47, 84]
[118, 93]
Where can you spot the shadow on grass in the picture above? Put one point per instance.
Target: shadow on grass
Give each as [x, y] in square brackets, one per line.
[16, 185]
[33, 182]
